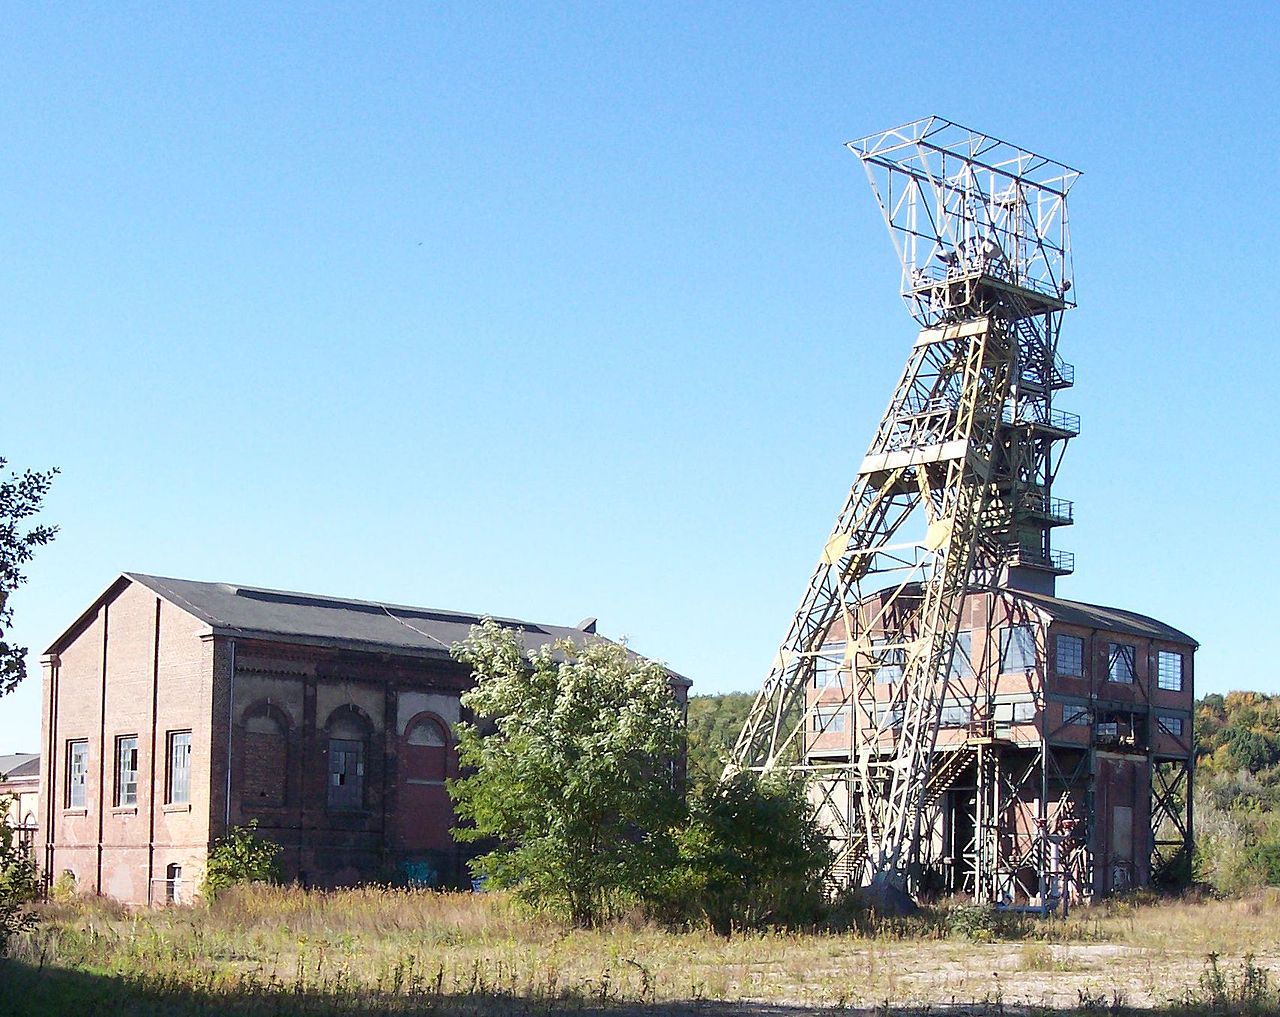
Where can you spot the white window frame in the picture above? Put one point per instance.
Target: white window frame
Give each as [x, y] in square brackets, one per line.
[126, 793]
[962, 660]
[1079, 655]
[77, 779]
[827, 665]
[1020, 634]
[1167, 721]
[178, 757]
[1167, 679]
[1116, 652]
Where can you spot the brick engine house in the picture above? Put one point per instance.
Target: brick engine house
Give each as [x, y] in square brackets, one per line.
[174, 710]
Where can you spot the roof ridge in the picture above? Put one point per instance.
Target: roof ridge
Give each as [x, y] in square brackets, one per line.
[302, 595]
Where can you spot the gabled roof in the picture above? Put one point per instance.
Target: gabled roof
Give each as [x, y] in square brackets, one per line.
[1112, 619]
[313, 619]
[20, 764]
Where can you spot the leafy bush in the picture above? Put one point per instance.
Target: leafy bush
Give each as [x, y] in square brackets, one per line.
[568, 771]
[19, 885]
[749, 856]
[242, 856]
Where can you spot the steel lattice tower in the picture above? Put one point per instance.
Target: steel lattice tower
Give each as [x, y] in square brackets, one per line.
[954, 493]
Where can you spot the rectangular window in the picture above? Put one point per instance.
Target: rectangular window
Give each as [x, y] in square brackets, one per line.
[962, 662]
[346, 773]
[179, 768]
[126, 771]
[1024, 713]
[955, 716]
[1017, 649]
[77, 773]
[828, 721]
[887, 718]
[1169, 671]
[1170, 725]
[1069, 661]
[889, 661]
[1076, 716]
[828, 665]
[1120, 663]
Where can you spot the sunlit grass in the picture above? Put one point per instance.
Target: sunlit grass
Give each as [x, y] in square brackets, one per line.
[398, 951]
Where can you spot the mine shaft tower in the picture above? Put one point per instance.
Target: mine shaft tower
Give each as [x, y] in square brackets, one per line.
[954, 494]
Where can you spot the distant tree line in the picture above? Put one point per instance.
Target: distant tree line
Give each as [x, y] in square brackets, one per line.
[1237, 794]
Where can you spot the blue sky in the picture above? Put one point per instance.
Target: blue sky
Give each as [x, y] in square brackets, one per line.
[556, 311]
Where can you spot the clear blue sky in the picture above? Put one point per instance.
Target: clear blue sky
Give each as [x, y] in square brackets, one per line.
[555, 311]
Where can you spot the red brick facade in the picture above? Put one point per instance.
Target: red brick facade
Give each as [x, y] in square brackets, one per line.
[338, 752]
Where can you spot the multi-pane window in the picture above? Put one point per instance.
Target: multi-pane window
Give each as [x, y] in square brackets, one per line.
[126, 770]
[955, 716]
[827, 666]
[346, 773]
[1076, 716]
[77, 773]
[828, 721]
[1069, 660]
[890, 661]
[1017, 649]
[1169, 671]
[179, 768]
[1120, 663]
[1169, 724]
[1025, 712]
[962, 662]
[887, 718]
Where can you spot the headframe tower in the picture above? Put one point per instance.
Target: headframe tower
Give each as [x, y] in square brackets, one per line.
[955, 492]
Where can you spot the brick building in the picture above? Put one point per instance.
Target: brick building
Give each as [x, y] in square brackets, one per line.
[20, 792]
[1064, 756]
[175, 709]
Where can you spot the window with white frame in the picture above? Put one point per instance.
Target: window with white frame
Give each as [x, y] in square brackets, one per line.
[1024, 712]
[1017, 649]
[1076, 716]
[1121, 659]
[1069, 658]
[77, 773]
[126, 771]
[962, 661]
[828, 721]
[179, 785]
[955, 716]
[1169, 670]
[1170, 724]
[890, 660]
[828, 665]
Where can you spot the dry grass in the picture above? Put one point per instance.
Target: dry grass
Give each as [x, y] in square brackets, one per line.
[389, 951]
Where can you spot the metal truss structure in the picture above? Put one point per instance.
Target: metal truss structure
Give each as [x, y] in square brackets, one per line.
[953, 495]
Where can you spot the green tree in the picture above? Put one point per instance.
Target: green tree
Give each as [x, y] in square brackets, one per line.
[750, 856]
[569, 771]
[714, 724]
[18, 881]
[21, 496]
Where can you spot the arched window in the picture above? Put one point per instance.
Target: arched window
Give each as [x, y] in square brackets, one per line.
[264, 756]
[426, 747]
[348, 746]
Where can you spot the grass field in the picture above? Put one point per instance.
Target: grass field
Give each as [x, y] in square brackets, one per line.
[283, 951]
